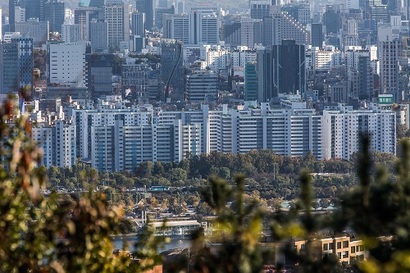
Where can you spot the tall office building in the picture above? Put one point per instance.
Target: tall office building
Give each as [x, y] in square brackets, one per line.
[26, 61]
[97, 3]
[172, 69]
[83, 16]
[365, 78]
[147, 7]
[12, 14]
[98, 35]
[251, 82]
[289, 73]
[331, 19]
[231, 33]
[260, 8]
[160, 13]
[66, 64]
[358, 63]
[389, 51]
[180, 7]
[349, 33]
[70, 33]
[281, 26]
[118, 24]
[99, 74]
[202, 87]
[265, 75]
[20, 14]
[251, 32]
[317, 35]
[204, 25]
[138, 24]
[39, 31]
[299, 11]
[9, 68]
[177, 27]
[34, 8]
[54, 13]
[1, 25]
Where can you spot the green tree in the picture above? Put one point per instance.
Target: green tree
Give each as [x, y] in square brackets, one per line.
[239, 227]
[53, 234]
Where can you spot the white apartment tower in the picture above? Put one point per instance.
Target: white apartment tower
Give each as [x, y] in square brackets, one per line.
[43, 136]
[120, 139]
[342, 130]
[65, 140]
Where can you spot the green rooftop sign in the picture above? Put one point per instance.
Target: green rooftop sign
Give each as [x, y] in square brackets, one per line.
[385, 99]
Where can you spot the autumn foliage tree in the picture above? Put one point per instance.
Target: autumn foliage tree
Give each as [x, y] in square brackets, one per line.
[54, 233]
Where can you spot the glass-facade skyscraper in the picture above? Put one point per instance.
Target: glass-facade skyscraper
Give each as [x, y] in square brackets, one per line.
[8, 68]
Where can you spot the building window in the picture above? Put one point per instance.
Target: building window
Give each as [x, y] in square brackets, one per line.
[325, 247]
[352, 249]
[345, 254]
[345, 244]
[339, 245]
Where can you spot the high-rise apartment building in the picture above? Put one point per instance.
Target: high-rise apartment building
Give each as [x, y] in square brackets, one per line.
[64, 151]
[116, 139]
[342, 130]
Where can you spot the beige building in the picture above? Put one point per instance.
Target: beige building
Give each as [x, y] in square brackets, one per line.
[347, 249]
